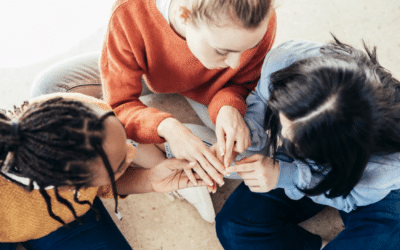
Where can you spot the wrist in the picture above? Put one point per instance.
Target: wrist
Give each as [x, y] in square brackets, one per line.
[135, 180]
[227, 108]
[166, 126]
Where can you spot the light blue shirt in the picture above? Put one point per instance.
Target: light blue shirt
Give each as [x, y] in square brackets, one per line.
[381, 175]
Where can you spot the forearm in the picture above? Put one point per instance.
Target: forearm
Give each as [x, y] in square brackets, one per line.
[135, 180]
[166, 126]
[148, 155]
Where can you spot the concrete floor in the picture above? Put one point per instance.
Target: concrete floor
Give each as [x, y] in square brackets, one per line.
[152, 221]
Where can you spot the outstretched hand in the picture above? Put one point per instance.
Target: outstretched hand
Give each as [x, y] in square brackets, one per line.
[260, 173]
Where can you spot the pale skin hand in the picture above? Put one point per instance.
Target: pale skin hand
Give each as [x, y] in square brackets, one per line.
[185, 145]
[232, 133]
[216, 151]
[260, 173]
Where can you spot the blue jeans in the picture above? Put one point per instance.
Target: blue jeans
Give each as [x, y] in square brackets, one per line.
[93, 234]
[269, 221]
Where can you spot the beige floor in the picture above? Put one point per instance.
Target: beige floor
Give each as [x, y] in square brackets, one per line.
[152, 221]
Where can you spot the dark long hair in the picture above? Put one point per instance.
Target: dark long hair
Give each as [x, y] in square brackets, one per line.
[343, 106]
[51, 143]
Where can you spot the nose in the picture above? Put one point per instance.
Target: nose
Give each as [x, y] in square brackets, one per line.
[233, 60]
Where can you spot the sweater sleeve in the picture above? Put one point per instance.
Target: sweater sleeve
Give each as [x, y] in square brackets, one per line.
[122, 65]
[380, 177]
[238, 88]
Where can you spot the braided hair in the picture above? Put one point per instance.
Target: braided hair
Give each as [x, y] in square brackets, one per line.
[50, 143]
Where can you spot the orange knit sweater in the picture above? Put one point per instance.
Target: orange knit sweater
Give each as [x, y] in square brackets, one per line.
[139, 42]
[24, 214]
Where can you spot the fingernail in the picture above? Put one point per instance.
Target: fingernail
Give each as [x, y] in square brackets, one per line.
[222, 151]
[192, 163]
[222, 183]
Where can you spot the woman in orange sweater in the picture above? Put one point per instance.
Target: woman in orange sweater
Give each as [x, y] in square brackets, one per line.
[209, 51]
[56, 156]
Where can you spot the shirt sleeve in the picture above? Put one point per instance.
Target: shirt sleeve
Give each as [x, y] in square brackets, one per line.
[380, 177]
[277, 59]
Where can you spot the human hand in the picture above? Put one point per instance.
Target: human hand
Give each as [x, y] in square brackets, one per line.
[260, 173]
[169, 176]
[232, 133]
[220, 155]
[185, 145]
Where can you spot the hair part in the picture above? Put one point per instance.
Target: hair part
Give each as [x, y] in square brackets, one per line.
[247, 13]
[361, 119]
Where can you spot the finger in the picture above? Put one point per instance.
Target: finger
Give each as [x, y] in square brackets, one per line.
[244, 143]
[203, 175]
[240, 145]
[199, 180]
[228, 151]
[251, 175]
[184, 182]
[220, 134]
[249, 159]
[240, 168]
[209, 159]
[215, 151]
[190, 175]
[190, 165]
[248, 142]
[213, 188]
[211, 171]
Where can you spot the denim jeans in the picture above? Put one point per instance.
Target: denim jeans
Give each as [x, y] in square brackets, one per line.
[93, 234]
[269, 221]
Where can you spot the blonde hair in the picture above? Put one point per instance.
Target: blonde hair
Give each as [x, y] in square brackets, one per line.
[249, 13]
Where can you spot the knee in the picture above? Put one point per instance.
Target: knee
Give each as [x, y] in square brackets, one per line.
[81, 71]
[45, 83]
